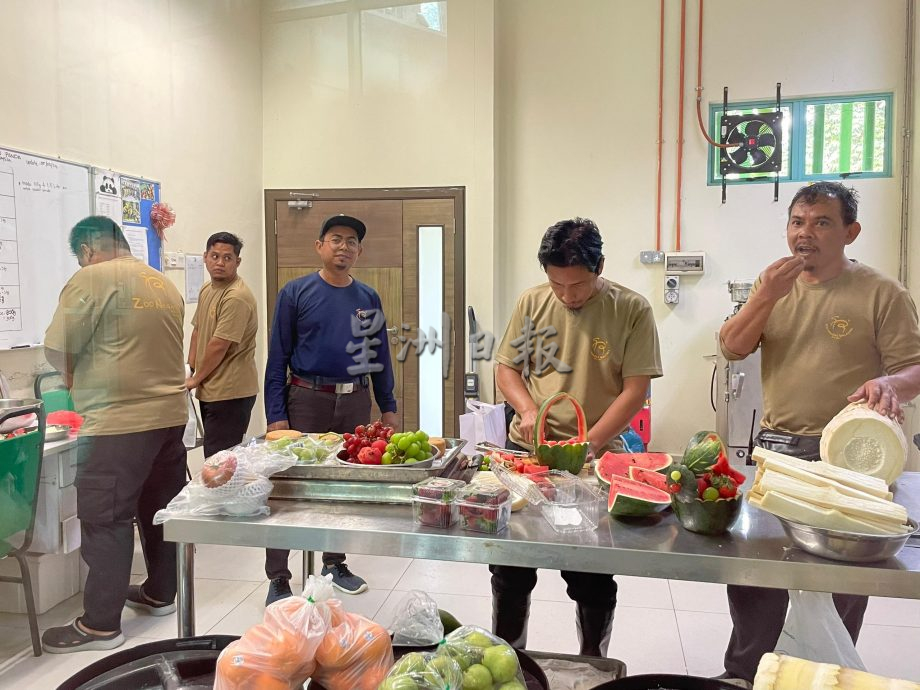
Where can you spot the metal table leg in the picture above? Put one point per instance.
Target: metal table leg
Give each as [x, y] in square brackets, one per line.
[308, 566]
[185, 591]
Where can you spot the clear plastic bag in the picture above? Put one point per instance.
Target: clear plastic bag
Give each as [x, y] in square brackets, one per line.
[814, 631]
[355, 654]
[417, 622]
[279, 653]
[231, 482]
[424, 671]
[487, 661]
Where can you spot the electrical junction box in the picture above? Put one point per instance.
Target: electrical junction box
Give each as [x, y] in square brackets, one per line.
[684, 262]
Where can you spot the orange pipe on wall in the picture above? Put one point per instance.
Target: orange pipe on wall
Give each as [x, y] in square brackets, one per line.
[699, 84]
[660, 119]
[680, 115]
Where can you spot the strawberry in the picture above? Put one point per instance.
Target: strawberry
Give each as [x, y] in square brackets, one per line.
[728, 491]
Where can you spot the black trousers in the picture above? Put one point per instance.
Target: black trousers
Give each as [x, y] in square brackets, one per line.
[318, 412]
[225, 423]
[758, 613]
[593, 590]
[119, 478]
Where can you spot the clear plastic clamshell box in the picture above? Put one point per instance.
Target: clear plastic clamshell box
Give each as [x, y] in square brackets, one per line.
[566, 502]
[484, 507]
[433, 501]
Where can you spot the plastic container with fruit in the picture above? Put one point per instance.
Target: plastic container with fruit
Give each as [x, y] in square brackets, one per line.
[433, 501]
[566, 502]
[483, 508]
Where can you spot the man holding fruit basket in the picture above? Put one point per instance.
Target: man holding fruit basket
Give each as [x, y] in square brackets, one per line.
[324, 324]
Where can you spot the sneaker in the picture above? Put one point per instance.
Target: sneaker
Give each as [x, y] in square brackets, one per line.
[278, 589]
[345, 580]
[72, 638]
[137, 600]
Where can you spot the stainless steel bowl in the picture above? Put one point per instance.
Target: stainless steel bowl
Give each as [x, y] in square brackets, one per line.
[846, 546]
[56, 432]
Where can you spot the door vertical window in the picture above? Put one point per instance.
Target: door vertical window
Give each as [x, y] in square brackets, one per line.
[430, 326]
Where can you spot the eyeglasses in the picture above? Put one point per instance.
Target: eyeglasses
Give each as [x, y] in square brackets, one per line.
[337, 241]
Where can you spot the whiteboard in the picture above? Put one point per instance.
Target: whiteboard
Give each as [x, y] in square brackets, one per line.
[41, 199]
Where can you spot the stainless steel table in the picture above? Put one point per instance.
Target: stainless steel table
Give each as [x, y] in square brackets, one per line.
[755, 552]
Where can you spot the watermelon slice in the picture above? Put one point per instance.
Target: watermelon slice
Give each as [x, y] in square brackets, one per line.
[631, 498]
[618, 464]
[650, 477]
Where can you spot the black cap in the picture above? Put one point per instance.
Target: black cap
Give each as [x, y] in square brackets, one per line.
[346, 221]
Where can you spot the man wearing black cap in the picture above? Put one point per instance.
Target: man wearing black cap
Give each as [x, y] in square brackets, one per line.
[308, 386]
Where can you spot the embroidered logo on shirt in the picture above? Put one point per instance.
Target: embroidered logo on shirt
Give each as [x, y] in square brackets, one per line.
[600, 348]
[362, 314]
[838, 328]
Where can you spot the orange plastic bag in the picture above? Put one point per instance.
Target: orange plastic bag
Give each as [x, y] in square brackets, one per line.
[355, 654]
[279, 653]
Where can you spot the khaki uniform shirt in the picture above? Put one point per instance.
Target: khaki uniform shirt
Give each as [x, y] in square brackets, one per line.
[121, 323]
[611, 337]
[822, 342]
[228, 313]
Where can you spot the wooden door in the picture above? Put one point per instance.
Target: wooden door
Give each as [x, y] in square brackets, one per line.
[389, 264]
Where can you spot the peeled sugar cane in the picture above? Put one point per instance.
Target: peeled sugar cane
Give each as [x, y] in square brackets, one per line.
[780, 672]
[863, 440]
[821, 495]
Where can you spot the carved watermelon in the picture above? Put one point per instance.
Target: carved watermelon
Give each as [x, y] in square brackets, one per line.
[631, 498]
[569, 454]
[619, 464]
[703, 452]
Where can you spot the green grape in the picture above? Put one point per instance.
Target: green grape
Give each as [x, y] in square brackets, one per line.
[387, 459]
[425, 446]
[391, 448]
[710, 494]
[422, 435]
[403, 443]
[413, 450]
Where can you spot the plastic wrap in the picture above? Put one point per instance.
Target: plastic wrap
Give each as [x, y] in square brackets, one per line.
[487, 661]
[424, 671]
[417, 622]
[279, 653]
[355, 654]
[231, 482]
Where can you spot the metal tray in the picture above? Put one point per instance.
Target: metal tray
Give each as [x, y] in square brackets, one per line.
[388, 474]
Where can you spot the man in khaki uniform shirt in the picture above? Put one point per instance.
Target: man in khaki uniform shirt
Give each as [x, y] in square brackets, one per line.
[604, 352]
[117, 338]
[223, 347]
[831, 331]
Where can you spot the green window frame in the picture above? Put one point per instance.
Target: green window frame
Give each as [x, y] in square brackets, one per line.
[823, 138]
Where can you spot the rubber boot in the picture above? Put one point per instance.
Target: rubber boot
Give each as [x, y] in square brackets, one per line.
[593, 625]
[509, 618]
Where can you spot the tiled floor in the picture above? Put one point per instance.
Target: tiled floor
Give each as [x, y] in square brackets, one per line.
[660, 625]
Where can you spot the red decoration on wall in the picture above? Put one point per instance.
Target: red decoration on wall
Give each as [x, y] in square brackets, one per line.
[162, 217]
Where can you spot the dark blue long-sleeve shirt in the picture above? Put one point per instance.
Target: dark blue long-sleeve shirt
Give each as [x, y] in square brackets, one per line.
[311, 334]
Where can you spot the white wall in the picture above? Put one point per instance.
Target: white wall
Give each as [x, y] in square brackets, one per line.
[577, 126]
[167, 89]
[357, 100]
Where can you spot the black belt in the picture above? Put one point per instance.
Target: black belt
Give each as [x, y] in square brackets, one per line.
[326, 385]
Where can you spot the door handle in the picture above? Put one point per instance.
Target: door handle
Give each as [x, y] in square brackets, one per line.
[393, 330]
[737, 385]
